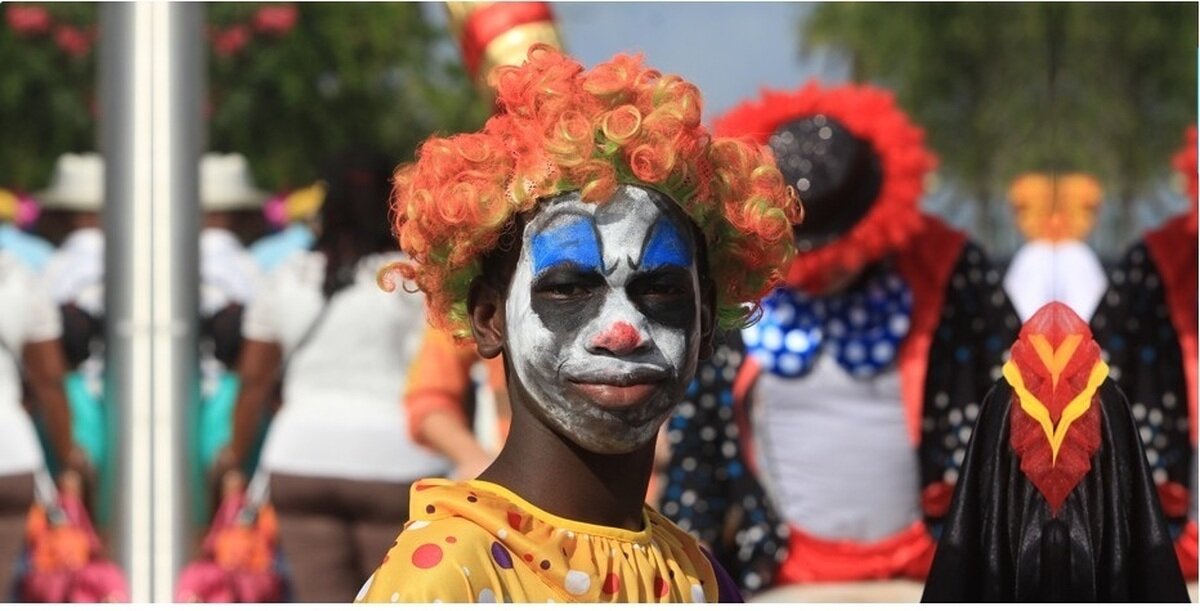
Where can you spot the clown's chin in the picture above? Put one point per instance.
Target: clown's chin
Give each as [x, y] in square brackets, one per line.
[629, 425]
[606, 435]
[613, 397]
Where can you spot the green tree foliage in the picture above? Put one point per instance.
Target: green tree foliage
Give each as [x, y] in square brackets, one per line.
[47, 80]
[347, 75]
[1006, 88]
[287, 88]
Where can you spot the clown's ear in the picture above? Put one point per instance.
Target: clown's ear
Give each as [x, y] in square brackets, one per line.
[485, 310]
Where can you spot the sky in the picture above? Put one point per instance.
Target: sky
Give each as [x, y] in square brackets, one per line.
[728, 49]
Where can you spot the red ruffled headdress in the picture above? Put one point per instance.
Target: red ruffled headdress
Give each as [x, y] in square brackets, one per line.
[871, 115]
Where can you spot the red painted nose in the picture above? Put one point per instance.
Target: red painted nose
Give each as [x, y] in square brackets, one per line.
[621, 338]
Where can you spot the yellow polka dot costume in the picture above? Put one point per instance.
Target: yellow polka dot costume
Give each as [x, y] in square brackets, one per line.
[479, 542]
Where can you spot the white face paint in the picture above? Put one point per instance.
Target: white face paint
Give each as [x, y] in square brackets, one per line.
[602, 316]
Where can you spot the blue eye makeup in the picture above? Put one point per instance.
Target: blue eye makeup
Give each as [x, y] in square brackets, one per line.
[665, 246]
[572, 241]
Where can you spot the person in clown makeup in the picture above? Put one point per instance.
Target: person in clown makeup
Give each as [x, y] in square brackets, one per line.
[592, 236]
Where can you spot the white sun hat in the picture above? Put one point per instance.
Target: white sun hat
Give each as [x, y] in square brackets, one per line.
[226, 184]
[77, 184]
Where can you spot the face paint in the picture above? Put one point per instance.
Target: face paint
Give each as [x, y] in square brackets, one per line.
[602, 316]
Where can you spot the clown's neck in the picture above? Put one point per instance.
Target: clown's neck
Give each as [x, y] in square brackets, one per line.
[563, 479]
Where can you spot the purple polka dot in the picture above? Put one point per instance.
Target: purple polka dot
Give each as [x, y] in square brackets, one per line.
[501, 556]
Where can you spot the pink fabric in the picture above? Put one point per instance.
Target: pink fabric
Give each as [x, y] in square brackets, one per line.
[209, 581]
[97, 580]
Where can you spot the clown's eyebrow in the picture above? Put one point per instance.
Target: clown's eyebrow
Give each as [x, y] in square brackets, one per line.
[664, 245]
[575, 240]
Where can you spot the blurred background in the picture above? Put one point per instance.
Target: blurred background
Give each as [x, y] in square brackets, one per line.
[1002, 90]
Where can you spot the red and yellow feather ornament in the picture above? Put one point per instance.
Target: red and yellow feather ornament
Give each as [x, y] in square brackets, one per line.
[1055, 371]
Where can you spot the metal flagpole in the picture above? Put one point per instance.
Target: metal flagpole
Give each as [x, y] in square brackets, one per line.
[151, 86]
[179, 79]
[125, 92]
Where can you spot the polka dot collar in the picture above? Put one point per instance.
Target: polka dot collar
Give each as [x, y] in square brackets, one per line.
[489, 493]
[478, 542]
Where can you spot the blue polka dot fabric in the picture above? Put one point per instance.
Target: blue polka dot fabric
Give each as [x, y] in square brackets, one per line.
[863, 326]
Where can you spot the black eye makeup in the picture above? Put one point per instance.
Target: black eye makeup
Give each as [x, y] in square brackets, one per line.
[567, 281]
[665, 294]
[565, 297]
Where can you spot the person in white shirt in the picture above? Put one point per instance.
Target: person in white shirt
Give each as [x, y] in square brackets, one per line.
[232, 208]
[338, 452]
[229, 277]
[74, 275]
[73, 278]
[29, 344]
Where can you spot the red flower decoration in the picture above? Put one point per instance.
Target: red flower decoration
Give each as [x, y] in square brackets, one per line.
[27, 20]
[229, 42]
[277, 19]
[72, 40]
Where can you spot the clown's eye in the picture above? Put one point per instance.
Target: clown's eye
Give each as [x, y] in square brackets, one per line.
[662, 289]
[566, 290]
[667, 284]
[567, 284]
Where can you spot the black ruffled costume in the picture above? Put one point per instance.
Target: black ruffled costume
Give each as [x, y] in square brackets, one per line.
[1109, 542]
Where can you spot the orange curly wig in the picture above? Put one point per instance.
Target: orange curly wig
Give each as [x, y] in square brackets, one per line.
[871, 114]
[558, 129]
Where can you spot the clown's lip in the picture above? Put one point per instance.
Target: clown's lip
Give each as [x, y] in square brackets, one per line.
[620, 391]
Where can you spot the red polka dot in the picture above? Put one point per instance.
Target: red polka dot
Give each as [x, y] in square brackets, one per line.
[660, 586]
[612, 583]
[451, 540]
[427, 556]
[528, 557]
[514, 519]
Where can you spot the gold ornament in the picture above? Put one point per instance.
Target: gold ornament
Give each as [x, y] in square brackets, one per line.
[1055, 208]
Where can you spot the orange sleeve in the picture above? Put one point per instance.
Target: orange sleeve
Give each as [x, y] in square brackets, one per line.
[439, 379]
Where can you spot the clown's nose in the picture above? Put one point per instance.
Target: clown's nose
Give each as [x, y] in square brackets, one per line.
[619, 339]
